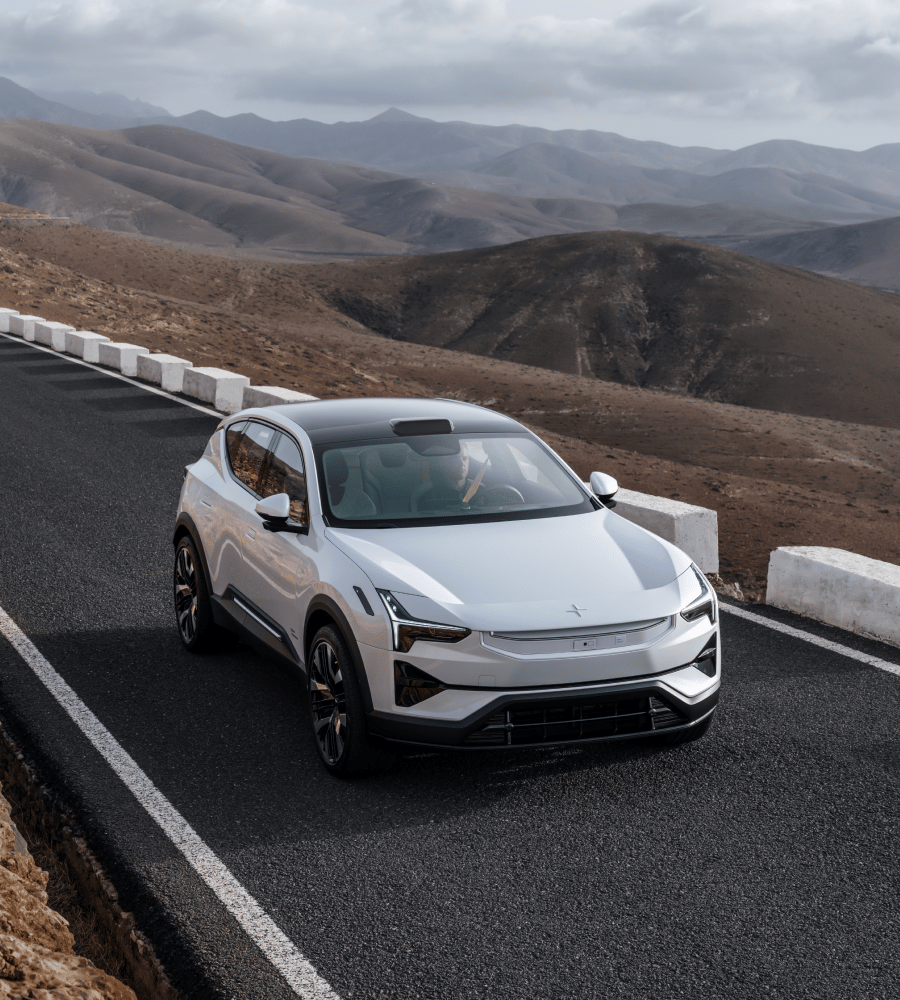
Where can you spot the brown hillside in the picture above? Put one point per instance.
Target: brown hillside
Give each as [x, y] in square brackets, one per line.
[775, 478]
[868, 253]
[649, 311]
[14, 212]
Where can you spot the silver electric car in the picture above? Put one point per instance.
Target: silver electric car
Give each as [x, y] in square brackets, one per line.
[442, 579]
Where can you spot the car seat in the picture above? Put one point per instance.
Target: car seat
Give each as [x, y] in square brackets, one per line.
[346, 501]
[390, 473]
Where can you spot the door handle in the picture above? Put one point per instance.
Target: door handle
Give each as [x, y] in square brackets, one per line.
[250, 533]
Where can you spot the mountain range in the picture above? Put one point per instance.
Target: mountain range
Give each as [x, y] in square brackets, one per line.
[399, 183]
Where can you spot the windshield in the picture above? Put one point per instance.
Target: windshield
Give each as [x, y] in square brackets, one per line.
[443, 478]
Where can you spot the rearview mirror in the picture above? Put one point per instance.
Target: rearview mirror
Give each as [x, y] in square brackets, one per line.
[275, 508]
[604, 486]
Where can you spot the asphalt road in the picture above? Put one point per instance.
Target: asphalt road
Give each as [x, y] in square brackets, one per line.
[760, 862]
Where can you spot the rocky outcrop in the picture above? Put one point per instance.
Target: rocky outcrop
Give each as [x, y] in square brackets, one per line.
[37, 958]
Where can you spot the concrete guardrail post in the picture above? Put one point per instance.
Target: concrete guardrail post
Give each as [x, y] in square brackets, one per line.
[52, 334]
[122, 357]
[163, 370]
[271, 395]
[222, 389]
[838, 587]
[4, 318]
[695, 530]
[23, 326]
[86, 345]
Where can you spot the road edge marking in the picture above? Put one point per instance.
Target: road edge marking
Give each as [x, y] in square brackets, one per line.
[297, 970]
[796, 633]
[113, 374]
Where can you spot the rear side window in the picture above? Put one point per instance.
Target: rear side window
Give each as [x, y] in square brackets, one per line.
[285, 474]
[247, 447]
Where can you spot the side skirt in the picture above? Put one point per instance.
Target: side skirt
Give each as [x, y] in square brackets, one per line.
[239, 614]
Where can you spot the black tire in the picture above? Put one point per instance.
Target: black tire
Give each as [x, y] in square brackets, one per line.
[336, 714]
[686, 735]
[193, 609]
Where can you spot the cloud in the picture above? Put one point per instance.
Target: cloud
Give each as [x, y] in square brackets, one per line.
[713, 59]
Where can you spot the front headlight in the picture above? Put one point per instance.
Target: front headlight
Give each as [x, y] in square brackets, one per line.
[705, 604]
[407, 629]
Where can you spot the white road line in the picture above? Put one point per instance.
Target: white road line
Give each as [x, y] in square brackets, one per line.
[275, 945]
[111, 373]
[834, 647]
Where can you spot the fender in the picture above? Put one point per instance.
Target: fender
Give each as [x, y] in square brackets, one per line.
[185, 525]
[324, 603]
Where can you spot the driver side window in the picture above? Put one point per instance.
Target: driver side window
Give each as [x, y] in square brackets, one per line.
[248, 445]
[284, 473]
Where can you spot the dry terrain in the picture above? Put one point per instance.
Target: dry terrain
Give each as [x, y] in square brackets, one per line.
[868, 253]
[775, 478]
[37, 949]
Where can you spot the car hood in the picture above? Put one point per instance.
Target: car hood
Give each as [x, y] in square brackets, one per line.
[525, 575]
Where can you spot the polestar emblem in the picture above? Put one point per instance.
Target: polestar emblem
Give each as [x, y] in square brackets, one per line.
[575, 610]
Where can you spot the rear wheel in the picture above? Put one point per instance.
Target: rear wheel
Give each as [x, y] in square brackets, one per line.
[336, 709]
[193, 608]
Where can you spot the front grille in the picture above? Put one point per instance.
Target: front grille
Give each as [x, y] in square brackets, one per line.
[527, 723]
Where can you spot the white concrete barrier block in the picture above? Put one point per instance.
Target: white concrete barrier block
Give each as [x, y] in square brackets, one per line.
[838, 587]
[4, 318]
[122, 357]
[164, 370]
[86, 345]
[695, 530]
[271, 395]
[23, 326]
[222, 389]
[52, 334]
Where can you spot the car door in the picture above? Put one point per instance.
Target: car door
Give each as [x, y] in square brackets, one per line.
[246, 447]
[279, 566]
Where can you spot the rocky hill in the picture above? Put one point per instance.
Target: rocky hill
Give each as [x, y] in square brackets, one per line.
[647, 311]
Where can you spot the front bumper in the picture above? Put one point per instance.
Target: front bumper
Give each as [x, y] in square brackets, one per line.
[642, 683]
[630, 709]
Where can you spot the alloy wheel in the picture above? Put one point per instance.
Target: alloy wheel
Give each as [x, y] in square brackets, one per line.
[328, 702]
[186, 593]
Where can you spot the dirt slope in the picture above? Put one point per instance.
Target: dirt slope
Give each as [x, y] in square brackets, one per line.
[774, 478]
[37, 957]
[648, 311]
[868, 253]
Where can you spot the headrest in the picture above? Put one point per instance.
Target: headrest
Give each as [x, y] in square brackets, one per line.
[336, 469]
[393, 456]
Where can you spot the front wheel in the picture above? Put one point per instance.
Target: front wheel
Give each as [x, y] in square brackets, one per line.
[193, 608]
[336, 709]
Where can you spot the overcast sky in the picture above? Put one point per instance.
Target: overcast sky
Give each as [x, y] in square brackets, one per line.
[715, 73]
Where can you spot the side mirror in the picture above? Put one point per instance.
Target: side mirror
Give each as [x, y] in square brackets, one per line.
[604, 486]
[275, 508]
[275, 511]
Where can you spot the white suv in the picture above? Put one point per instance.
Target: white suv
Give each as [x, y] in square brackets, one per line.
[443, 579]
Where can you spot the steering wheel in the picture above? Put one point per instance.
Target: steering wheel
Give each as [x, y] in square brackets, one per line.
[498, 495]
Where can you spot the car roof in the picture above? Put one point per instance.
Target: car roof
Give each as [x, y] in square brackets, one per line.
[367, 418]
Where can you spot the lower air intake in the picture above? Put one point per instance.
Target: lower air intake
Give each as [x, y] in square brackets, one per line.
[532, 723]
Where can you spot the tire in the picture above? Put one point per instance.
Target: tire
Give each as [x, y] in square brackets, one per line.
[687, 735]
[193, 608]
[336, 714]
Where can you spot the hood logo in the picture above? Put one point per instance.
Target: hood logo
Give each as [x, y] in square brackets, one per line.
[575, 610]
